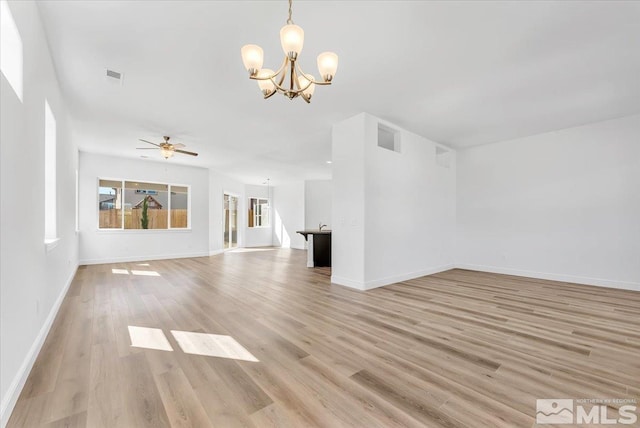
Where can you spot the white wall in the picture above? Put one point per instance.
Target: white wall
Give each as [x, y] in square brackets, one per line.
[104, 246]
[348, 202]
[393, 213]
[257, 236]
[289, 213]
[32, 281]
[317, 203]
[218, 186]
[563, 205]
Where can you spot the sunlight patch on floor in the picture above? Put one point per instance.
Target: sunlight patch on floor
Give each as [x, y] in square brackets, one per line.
[250, 250]
[150, 338]
[212, 345]
[120, 271]
[145, 272]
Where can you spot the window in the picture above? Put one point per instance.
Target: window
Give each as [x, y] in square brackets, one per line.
[10, 49]
[179, 206]
[50, 221]
[110, 204]
[146, 205]
[135, 205]
[77, 202]
[258, 212]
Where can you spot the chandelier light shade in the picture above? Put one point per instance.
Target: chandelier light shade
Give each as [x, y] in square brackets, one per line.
[292, 39]
[252, 56]
[266, 85]
[327, 65]
[289, 79]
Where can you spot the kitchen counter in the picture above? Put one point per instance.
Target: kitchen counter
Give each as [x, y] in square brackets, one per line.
[318, 247]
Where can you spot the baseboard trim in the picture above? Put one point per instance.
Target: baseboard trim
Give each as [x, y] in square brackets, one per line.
[10, 399]
[215, 252]
[598, 282]
[143, 258]
[381, 282]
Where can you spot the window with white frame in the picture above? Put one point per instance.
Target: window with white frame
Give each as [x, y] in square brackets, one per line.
[11, 55]
[258, 212]
[132, 205]
[50, 199]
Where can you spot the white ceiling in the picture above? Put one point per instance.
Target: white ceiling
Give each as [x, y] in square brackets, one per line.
[460, 73]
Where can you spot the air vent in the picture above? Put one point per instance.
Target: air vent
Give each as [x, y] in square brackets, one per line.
[114, 77]
[388, 138]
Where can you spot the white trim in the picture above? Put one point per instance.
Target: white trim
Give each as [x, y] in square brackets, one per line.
[15, 388]
[368, 285]
[50, 244]
[215, 252]
[346, 282]
[142, 258]
[406, 276]
[598, 282]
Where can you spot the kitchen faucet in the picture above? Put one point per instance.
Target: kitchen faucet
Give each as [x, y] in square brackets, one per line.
[320, 226]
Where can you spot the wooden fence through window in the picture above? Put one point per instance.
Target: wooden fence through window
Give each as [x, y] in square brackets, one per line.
[111, 219]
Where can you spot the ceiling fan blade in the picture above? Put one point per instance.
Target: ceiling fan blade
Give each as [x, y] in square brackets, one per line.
[179, 146]
[184, 152]
[146, 148]
[145, 141]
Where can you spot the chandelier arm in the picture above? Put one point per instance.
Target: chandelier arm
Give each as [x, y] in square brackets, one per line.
[292, 76]
[314, 81]
[283, 71]
[256, 77]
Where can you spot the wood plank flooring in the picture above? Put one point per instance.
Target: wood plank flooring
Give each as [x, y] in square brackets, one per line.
[455, 349]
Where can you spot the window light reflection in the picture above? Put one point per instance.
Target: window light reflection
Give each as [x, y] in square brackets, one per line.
[212, 345]
[145, 272]
[150, 338]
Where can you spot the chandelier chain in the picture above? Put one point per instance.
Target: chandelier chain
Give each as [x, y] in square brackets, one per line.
[290, 21]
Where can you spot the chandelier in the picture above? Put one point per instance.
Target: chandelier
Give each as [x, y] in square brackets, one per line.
[289, 80]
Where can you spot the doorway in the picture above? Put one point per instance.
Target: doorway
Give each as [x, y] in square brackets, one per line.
[230, 239]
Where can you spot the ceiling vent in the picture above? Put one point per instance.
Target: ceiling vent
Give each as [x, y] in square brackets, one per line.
[114, 77]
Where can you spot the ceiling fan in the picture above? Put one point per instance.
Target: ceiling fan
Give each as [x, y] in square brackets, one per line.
[166, 148]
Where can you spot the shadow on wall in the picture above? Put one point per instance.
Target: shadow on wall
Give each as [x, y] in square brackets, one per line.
[282, 236]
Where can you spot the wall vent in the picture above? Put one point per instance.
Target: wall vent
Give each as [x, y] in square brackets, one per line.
[388, 138]
[114, 76]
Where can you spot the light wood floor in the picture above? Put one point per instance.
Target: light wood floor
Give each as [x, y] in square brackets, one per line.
[459, 348]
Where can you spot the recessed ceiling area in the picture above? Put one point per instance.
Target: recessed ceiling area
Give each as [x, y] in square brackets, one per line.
[458, 73]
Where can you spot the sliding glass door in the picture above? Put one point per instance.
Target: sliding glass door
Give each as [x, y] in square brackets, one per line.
[230, 221]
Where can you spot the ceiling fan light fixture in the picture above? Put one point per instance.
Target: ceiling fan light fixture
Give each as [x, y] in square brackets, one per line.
[166, 152]
[289, 80]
